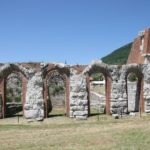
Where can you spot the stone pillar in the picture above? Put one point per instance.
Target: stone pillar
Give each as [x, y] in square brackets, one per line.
[88, 94]
[146, 87]
[147, 96]
[46, 99]
[118, 98]
[3, 98]
[1, 106]
[24, 89]
[34, 105]
[108, 94]
[142, 95]
[67, 97]
[78, 96]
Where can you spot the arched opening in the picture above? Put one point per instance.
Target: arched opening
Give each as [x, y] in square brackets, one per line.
[97, 94]
[56, 86]
[13, 84]
[13, 96]
[134, 88]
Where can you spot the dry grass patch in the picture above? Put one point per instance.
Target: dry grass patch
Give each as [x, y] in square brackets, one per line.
[61, 133]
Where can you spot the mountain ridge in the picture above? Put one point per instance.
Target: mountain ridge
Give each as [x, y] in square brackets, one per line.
[118, 56]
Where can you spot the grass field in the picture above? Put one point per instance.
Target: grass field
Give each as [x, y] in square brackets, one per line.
[61, 133]
[98, 89]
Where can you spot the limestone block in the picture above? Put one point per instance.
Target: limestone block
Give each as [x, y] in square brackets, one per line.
[115, 116]
[119, 104]
[80, 113]
[81, 117]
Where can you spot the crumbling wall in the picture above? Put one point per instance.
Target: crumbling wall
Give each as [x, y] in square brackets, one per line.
[133, 100]
[140, 50]
[1, 105]
[118, 98]
[32, 94]
[118, 91]
[146, 72]
[34, 105]
[78, 95]
[77, 102]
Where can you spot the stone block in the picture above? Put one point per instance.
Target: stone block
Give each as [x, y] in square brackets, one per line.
[115, 116]
[81, 117]
[80, 113]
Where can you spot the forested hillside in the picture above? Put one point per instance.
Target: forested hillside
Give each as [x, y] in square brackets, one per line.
[118, 56]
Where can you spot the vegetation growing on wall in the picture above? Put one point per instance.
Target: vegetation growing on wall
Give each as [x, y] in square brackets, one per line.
[132, 77]
[97, 76]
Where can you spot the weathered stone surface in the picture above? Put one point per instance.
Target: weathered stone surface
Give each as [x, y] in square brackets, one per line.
[119, 104]
[81, 117]
[115, 116]
[133, 97]
[80, 113]
[146, 72]
[78, 93]
[132, 114]
[34, 105]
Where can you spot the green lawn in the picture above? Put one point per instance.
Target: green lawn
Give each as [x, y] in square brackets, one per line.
[61, 133]
[98, 89]
[57, 112]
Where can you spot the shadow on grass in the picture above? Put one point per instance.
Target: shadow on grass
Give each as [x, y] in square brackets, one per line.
[14, 110]
[96, 114]
[56, 115]
[14, 115]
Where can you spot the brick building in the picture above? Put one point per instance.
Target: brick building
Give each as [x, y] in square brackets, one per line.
[140, 51]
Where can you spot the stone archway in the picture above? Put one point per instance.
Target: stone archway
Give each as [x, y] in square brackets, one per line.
[65, 75]
[137, 90]
[99, 67]
[12, 69]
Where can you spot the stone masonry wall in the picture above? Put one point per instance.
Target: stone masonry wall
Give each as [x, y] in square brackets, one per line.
[78, 96]
[146, 72]
[133, 97]
[140, 48]
[34, 105]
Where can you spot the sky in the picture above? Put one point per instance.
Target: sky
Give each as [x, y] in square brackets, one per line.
[71, 31]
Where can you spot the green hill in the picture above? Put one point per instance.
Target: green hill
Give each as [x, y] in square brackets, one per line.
[118, 56]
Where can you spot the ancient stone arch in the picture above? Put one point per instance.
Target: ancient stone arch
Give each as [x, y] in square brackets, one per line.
[35, 91]
[7, 70]
[126, 69]
[98, 67]
[64, 72]
[138, 71]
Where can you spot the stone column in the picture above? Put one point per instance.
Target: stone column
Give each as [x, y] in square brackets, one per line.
[78, 96]
[146, 72]
[34, 104]
[1, 104]
[118, 98]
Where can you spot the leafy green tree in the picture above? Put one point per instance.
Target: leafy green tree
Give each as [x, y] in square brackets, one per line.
[97, 76]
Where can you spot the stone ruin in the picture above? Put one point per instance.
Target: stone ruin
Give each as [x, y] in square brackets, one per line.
[35, 97]
[35, 90]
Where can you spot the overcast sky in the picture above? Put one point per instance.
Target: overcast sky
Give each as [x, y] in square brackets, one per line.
[75, 31]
